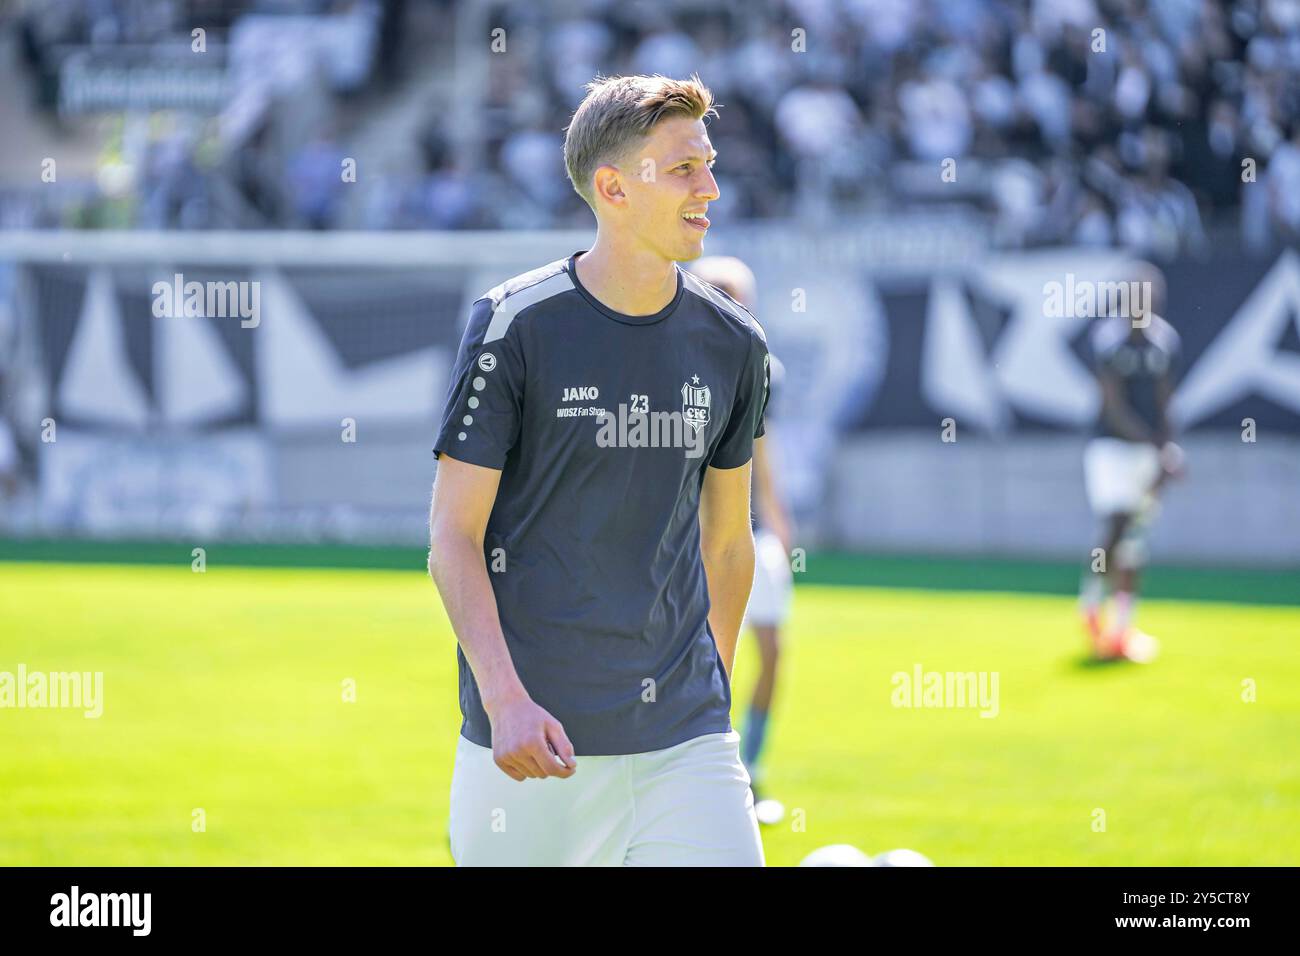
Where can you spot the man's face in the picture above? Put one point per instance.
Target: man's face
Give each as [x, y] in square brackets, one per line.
[668, 177]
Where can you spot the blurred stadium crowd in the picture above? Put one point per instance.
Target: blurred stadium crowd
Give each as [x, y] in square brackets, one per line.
[1093, 122]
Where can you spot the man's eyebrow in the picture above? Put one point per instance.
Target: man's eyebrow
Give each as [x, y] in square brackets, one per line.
[713, 154]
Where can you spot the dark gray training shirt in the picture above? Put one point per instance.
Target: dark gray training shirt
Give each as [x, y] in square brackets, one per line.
[602, 425]
[1138, 364]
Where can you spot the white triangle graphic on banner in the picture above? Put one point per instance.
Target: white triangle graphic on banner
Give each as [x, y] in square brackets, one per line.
[1244, 357]
[302, 381]
[197, 380]
[954, 372]
[1032, 359]
[98, 382]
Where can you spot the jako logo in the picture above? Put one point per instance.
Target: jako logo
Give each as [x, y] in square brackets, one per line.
[103, 909]
[583, 393]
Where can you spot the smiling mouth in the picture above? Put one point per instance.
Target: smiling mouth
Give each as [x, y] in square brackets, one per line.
[697, 222]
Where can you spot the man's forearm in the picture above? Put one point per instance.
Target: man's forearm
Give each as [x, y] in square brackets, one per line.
[1164, 396]
[457, 567]
[730, 574]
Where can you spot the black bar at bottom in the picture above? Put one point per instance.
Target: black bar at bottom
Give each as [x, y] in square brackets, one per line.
[329, 906]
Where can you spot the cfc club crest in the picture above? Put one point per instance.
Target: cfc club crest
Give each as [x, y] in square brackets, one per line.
[695, 403]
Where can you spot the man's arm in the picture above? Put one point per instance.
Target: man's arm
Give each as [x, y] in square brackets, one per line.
[727, 546]
[523, 734]
[1164, 395]
[1172, 459]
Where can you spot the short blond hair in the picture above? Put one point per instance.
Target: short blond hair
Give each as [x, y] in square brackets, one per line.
[618, 112]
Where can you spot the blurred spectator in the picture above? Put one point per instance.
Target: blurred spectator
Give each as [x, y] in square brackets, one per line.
[1095, 121]
[1284, 186]
[315, 179]
[9, 460]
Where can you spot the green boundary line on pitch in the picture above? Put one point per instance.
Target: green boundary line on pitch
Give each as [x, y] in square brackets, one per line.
[1230, 585]
[1226, 585]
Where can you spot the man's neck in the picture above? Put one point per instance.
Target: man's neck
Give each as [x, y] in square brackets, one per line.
[629, 281]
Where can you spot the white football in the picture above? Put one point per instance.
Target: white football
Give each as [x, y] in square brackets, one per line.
[902, 858]
[838, 854]
[769, 812]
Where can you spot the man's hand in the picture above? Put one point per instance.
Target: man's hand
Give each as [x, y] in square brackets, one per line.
[1173, 461]
[528, 742]
[525, 738]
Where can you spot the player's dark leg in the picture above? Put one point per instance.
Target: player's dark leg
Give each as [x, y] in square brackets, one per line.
[1115, 529]
[768, 638]
[1130, 556]
[1126, 578]
[1102, 577]
[1126, 639]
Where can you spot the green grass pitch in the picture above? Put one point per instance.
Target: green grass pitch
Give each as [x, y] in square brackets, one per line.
[223, 692]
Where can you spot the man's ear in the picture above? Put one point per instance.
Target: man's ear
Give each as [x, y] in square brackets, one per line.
[609, 184]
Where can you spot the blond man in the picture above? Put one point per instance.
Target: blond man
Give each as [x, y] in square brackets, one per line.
[590, 531]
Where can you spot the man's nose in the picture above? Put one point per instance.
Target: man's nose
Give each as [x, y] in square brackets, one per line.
[708, 188]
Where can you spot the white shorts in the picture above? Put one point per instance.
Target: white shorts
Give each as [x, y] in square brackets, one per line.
[1118, 474]
[769, 599]
[688, 805]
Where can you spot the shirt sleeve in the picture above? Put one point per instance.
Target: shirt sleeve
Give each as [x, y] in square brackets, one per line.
[485, 399]
[746, 421]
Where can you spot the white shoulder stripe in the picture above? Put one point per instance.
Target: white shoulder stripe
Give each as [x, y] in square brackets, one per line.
[505, 311]
[703, 289]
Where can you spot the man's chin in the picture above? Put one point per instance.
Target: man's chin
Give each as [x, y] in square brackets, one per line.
[692, 253]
